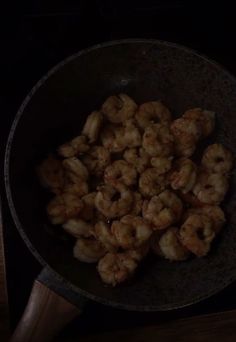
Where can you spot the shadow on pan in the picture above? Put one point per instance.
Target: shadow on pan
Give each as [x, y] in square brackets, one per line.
[55, 110]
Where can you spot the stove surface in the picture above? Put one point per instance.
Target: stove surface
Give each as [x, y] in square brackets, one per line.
[36, 36]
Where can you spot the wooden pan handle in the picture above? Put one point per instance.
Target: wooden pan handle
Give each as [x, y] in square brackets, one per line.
[45, 315]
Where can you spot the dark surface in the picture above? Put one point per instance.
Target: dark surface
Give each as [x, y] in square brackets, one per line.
[37, 39]
[215, 327]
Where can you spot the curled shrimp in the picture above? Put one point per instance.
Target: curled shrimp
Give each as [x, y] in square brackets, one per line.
[76, 177]
[63, 207]
[186, 134]
[103, 233]
[92, 126]
[120, 172]
[171, 247]
[138, 158]
[51, 174]
[184, 175]
[131, 231]
[217, 216]
[161, 164]
[152, 112]
[214, 212]
[132, 136]
[158, 140]
[210, 188]
[204, 118]
[75, 167]
[110, 207]
[137, 204]
[96, 160]
[75, 185]
[196, 234]
[78, 228]
[88, 250]
[118, 109]
[151, 183]
[88, 211]
[115, 268]
[74, 147]
[216, 158]
[112, 138]
[163, 210]
[139, 253]
[116, 138]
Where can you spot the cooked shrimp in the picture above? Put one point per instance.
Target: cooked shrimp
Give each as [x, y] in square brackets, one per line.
[110, 207]
[158, 141]
[163, 210]
[88, 250]
[74, 166]
[214, 212]
[132, 136]
[196, 234]
[63, 207]
[74, 147]
[120, 172]
[78, 228]
[152, 112]
[186, 134]
[151, 183]
[113, 138]
[171, 247]
[119, 108]
[216, 158]
[75, 185]
[114, 268]
[92, 126]
[138, 158]
[137, 204]
[204, 118]
[116, 138]
[51, 175]
[131, 231]
[184, 175]
[210, 188]
[161, 164]
[96, 160]
[103, 233]
[111, 186]
[88, 211]
[75, 177]
[139, 253]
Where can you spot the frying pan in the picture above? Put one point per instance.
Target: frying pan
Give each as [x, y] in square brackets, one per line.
[55, 110]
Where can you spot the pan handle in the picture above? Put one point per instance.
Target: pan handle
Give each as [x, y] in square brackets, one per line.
[47, 312]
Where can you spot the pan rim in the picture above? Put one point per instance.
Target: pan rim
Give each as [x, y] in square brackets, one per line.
[19, 226]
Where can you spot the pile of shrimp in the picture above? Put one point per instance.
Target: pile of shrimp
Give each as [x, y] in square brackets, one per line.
[127, 186]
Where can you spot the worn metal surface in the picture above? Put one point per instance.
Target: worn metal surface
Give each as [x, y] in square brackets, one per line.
[55, 110]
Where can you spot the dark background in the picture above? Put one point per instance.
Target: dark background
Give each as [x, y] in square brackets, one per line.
[35, 35]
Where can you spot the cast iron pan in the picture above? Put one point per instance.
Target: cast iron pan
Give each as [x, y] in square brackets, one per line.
[55, 110]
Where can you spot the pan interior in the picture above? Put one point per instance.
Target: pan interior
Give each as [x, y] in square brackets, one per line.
[56, 111]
